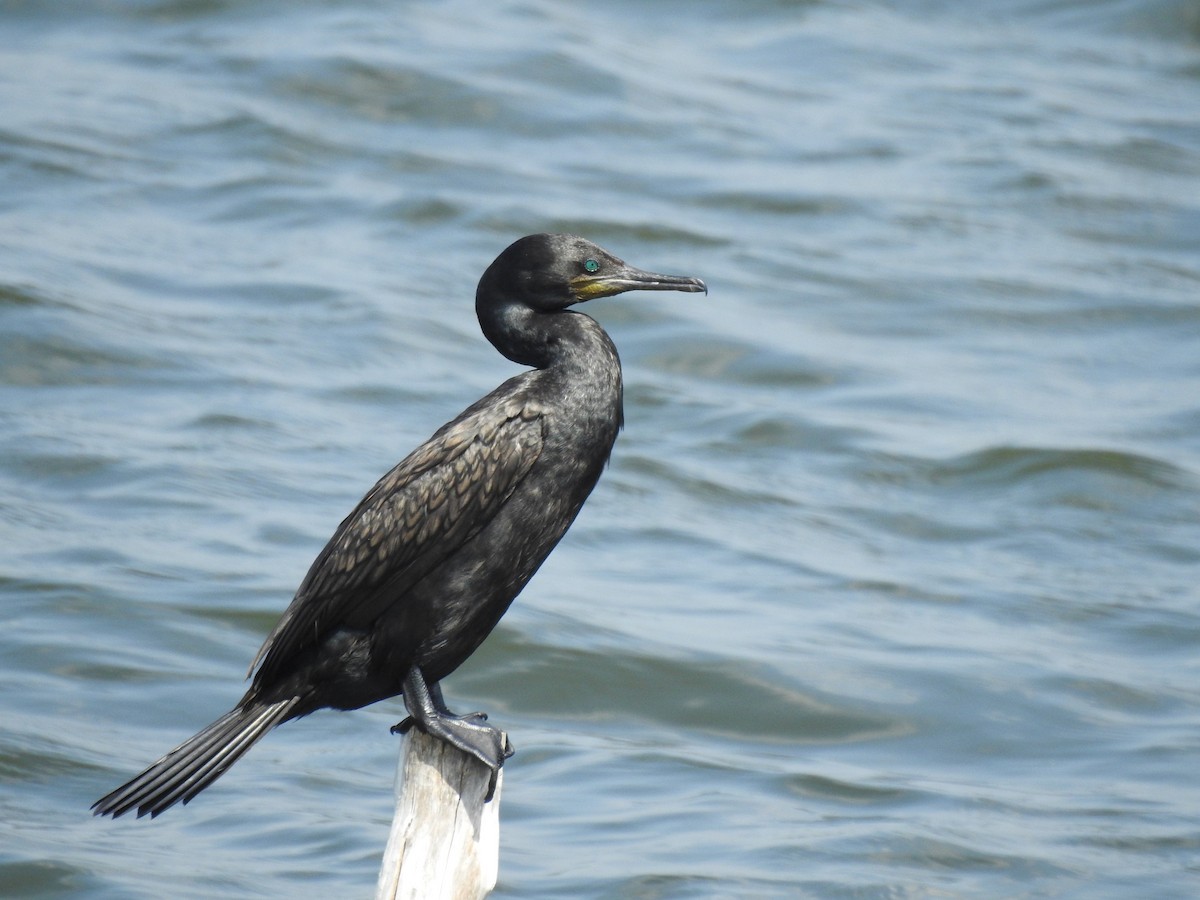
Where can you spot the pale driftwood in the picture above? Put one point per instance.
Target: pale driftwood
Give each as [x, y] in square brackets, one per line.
[445, 841]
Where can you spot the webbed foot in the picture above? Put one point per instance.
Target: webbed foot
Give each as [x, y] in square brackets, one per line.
[470, 733]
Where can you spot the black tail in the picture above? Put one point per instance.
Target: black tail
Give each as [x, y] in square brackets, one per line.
[196, 763]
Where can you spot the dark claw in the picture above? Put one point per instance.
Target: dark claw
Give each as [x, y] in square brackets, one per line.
[404, 727]
[504, 754]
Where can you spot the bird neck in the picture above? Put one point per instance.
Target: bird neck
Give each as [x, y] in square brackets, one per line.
[562, 339]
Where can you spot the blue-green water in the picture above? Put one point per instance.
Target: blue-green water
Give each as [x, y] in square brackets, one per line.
[891, 587]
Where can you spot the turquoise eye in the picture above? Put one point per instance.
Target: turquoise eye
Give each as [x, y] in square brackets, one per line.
[591, 265]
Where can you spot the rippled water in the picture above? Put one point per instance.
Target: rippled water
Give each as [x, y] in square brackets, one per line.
[891, 587]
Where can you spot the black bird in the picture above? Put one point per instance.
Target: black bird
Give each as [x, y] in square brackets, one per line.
[421, 571]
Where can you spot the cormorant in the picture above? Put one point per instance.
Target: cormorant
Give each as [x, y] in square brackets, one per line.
[421, 571]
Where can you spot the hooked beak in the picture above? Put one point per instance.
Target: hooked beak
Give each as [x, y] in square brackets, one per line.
[627, 278]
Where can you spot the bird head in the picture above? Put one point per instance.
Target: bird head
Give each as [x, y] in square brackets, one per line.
[549, 272]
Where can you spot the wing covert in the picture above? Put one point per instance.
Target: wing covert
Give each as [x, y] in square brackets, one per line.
[417, 515]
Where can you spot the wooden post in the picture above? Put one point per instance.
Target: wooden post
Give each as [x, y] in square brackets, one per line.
[445, 841]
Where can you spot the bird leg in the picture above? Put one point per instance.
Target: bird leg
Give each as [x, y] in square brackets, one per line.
[470, 733]
[435, 695]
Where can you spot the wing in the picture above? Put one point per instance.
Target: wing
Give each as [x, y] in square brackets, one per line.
[418, 514]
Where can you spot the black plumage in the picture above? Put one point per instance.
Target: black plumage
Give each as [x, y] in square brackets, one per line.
[421, 571]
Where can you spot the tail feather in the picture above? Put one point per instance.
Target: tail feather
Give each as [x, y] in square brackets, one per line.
[192, 772]
[196, 763]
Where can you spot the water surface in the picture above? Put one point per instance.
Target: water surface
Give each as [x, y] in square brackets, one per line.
[890, 588]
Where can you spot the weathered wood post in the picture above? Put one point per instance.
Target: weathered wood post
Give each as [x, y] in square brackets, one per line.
[445, 841]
